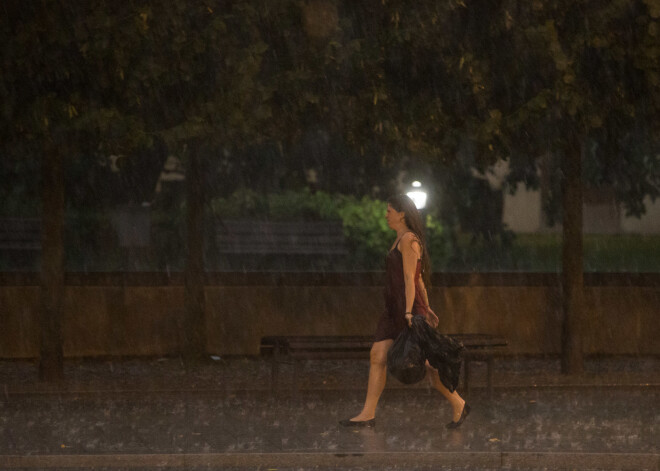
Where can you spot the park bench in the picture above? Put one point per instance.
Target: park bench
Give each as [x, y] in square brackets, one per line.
[20, 234]
[264, 245]
[267, 237]
[283, 348]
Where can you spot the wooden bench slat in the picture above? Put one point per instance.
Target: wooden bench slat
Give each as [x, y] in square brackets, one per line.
[20, 234]
[353, 342]
[476, 343]
[330, 355]
[282, 250]
[320, 338]
[479, 353]
[281, 238]
[307, 244]
[19, 245]
[328, 348]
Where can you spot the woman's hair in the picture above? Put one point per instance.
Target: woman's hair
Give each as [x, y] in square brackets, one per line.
[413, 220]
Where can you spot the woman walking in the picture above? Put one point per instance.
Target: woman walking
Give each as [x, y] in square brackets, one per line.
[407, 275]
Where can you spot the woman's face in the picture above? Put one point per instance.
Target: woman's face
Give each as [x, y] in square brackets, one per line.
[394, 217]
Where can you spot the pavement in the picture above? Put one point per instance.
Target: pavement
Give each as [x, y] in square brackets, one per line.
[158, 414]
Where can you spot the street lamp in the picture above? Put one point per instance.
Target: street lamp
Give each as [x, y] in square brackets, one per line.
[418, 195]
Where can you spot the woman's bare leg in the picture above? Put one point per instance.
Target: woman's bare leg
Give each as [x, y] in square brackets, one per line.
[377, 378]
[454, 399]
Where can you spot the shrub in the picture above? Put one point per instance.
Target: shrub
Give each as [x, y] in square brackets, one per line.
[366, 231]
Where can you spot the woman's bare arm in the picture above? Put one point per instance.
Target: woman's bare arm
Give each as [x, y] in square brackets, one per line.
[425, 296]
[431, 317]
[410, 251]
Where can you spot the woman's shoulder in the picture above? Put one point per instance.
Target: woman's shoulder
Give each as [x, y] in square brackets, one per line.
[410, 241]
[409, 237]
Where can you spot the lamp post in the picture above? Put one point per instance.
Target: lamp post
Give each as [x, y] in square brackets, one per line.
[418, 195]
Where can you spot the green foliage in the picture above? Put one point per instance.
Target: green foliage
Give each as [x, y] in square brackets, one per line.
[241, 204]
[366, 231]
[622, 253]
[303, 205]
[629, 253]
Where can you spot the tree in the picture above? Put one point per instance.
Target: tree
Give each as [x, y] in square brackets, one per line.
[387, 78]
[594, 80]
[519, 79]
[37, 115]
[117, 78]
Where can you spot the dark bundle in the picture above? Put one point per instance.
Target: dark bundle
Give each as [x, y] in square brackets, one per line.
[415, 345]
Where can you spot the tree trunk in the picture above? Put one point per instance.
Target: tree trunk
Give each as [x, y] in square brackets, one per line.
[195, 331]
[51, 361]
[572, 261]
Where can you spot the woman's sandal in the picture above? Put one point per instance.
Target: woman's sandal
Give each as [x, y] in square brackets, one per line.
[453, 425]
[358, 423]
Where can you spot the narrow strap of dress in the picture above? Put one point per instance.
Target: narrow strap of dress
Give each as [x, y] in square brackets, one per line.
[396, 246]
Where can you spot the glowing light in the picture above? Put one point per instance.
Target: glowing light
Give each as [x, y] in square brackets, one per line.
[418, 195]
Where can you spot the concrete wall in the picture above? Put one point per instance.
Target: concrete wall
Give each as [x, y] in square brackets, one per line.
[147, 320]
[522, 211]
[523, 214]
[649, 223]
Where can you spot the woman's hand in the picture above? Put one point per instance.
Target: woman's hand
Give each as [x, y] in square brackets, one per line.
[409, 317]
[431, 318]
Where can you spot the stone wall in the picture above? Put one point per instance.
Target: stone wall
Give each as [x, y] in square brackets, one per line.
[123, 319]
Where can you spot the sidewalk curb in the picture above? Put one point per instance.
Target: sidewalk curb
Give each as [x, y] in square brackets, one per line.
[8, 390]
[506, 460]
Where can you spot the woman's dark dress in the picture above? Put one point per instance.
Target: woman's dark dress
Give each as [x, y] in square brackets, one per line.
[393, 320]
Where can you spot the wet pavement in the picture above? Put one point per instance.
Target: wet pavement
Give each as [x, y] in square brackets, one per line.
[253, 373]
[158, 414]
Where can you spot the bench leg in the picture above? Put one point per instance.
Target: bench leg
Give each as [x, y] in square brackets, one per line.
[274, 369]
[296, 388]
[489, 372]
[466, 378]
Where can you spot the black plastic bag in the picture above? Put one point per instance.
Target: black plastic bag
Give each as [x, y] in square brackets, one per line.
[443, 352]
[405, 358]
